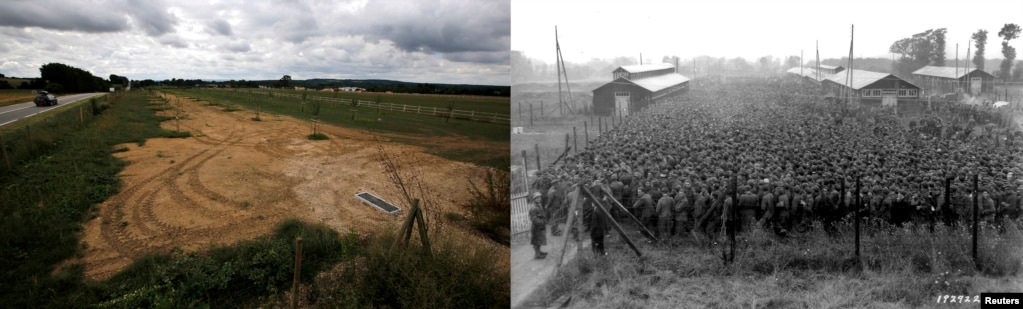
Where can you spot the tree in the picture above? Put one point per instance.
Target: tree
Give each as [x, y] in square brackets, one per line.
[919, 50]
[284, 81]
[791, 62]
[939, 47]
[118, 80]
[1008, 33]
[5, 85]
[979, 42]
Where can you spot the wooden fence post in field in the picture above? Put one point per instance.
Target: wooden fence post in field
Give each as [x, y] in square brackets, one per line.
[575, 140]
[81, 119]
[537, 146]
[600, 125]
[541, 108]
[530, 115]
[586, 133]
[3, 148]
[298, 271]
[525, 171]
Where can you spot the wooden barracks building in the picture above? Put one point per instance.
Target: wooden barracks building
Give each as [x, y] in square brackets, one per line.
[636, 86]
[873, 87]
[941, 80]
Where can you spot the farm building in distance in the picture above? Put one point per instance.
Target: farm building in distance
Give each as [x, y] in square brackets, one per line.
[941, 80]
[636, 86]
[873, 87]
[810, 72]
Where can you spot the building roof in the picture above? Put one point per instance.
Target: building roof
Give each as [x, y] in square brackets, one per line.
[862, 78]
[647, 67]
[661, 82]
[946, 72]
[810, 73]
[830, 67]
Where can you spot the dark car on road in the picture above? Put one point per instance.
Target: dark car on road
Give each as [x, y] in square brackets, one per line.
[45, 99]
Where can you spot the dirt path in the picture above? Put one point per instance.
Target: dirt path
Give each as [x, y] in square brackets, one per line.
[236, 179]
[529, 274]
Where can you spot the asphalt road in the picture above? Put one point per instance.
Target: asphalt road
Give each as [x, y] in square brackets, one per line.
[12, 113]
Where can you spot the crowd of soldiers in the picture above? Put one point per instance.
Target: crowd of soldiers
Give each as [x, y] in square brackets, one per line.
[793, 160]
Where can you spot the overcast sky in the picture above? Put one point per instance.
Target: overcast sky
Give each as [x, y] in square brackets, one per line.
[438, 41]
[748, 29]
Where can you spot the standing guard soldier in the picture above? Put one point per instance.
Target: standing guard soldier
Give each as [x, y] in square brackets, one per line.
[767, 207]
[538, 217]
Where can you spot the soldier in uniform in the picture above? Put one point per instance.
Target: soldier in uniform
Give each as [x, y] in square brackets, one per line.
[747, 211]
[664, 212]
[538, 218]
[645, 206]
[598, 225]
[767, 207]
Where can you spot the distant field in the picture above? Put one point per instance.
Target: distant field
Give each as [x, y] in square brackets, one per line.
[477, 103]
[14, 96]
[481, 143]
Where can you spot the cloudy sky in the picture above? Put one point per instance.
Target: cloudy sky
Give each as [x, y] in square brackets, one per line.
[438, 41]
[748, 29]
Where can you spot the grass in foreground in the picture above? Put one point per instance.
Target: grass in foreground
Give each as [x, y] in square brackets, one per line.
[46, 196]
[900, 267]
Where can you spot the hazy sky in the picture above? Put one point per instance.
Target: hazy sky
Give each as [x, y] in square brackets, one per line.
[748, 29]
[441, 41]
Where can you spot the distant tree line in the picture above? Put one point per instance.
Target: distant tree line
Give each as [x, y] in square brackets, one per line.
[61, 78]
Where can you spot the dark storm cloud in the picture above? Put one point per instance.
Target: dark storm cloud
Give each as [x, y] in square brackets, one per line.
[152, 16]
[458, 26]
[220, 27]
[74, 16]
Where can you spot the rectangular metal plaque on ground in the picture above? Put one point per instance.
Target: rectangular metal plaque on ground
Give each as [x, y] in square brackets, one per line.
[377, 202]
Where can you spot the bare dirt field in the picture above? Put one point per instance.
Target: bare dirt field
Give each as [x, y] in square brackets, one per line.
[235, 179]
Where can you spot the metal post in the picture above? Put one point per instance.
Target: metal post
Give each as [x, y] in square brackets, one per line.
[541, 108]
[600, 125]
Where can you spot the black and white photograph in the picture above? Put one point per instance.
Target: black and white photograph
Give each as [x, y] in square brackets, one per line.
[766, 154]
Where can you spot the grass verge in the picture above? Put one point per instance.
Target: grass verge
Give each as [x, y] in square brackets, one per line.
[900, 267]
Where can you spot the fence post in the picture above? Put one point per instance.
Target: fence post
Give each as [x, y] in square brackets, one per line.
[81, 119]
[857, 215]
[586, 133]
[541, 108]
[975, 216]
[520, 109]
[575, 140]
[537, 147]
[525, 171]
[566, 143]
[298, 271]
[530, 115]
[600, 125]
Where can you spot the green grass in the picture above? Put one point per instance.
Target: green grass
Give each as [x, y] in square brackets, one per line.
[900, 267]
[500, 105]
[55, 182]
[461, 273]
[421, 127]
